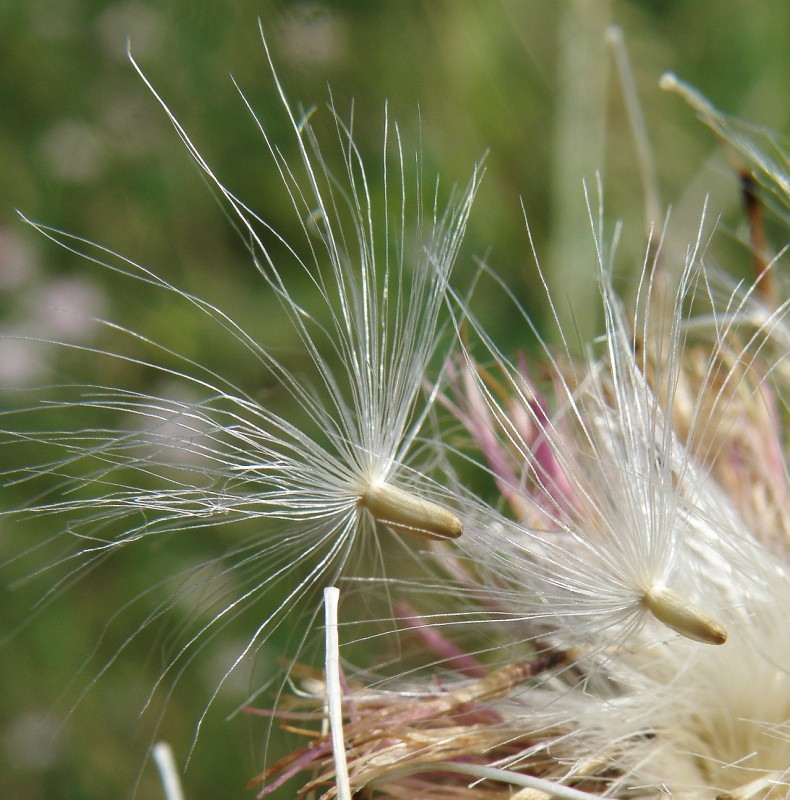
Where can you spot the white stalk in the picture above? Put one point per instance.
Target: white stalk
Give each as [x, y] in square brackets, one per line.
[334, 693]
[168, 771]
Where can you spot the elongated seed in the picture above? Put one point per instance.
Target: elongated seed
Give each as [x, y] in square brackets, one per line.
[685, 618]
[407, 513]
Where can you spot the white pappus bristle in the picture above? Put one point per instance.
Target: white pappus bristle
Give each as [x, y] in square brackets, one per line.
[350, 461]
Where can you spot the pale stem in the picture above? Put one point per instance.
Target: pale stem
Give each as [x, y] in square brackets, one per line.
[334, 693]
[168, 771]
[495, 774]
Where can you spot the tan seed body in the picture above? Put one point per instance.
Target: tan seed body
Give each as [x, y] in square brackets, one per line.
[407, 513]
[683, 617]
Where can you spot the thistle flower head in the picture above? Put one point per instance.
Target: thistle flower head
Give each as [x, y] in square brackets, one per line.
[614, 626]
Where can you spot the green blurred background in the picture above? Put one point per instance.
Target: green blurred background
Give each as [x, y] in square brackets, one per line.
[85, 148]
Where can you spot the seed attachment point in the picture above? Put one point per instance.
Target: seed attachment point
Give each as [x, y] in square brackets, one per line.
[683, 617]
[407, 513]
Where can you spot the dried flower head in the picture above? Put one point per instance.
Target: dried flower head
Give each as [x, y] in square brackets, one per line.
[615, 625]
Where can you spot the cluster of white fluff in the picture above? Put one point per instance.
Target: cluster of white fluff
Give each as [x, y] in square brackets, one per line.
[611, 621]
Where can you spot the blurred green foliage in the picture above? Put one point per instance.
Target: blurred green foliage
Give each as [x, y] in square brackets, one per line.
[85, 148]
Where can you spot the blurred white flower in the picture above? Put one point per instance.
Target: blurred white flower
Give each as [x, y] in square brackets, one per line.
[63, 309]
[142, 24]
[66, 309]
[18, 261]
[74, 151]
[312, 35]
